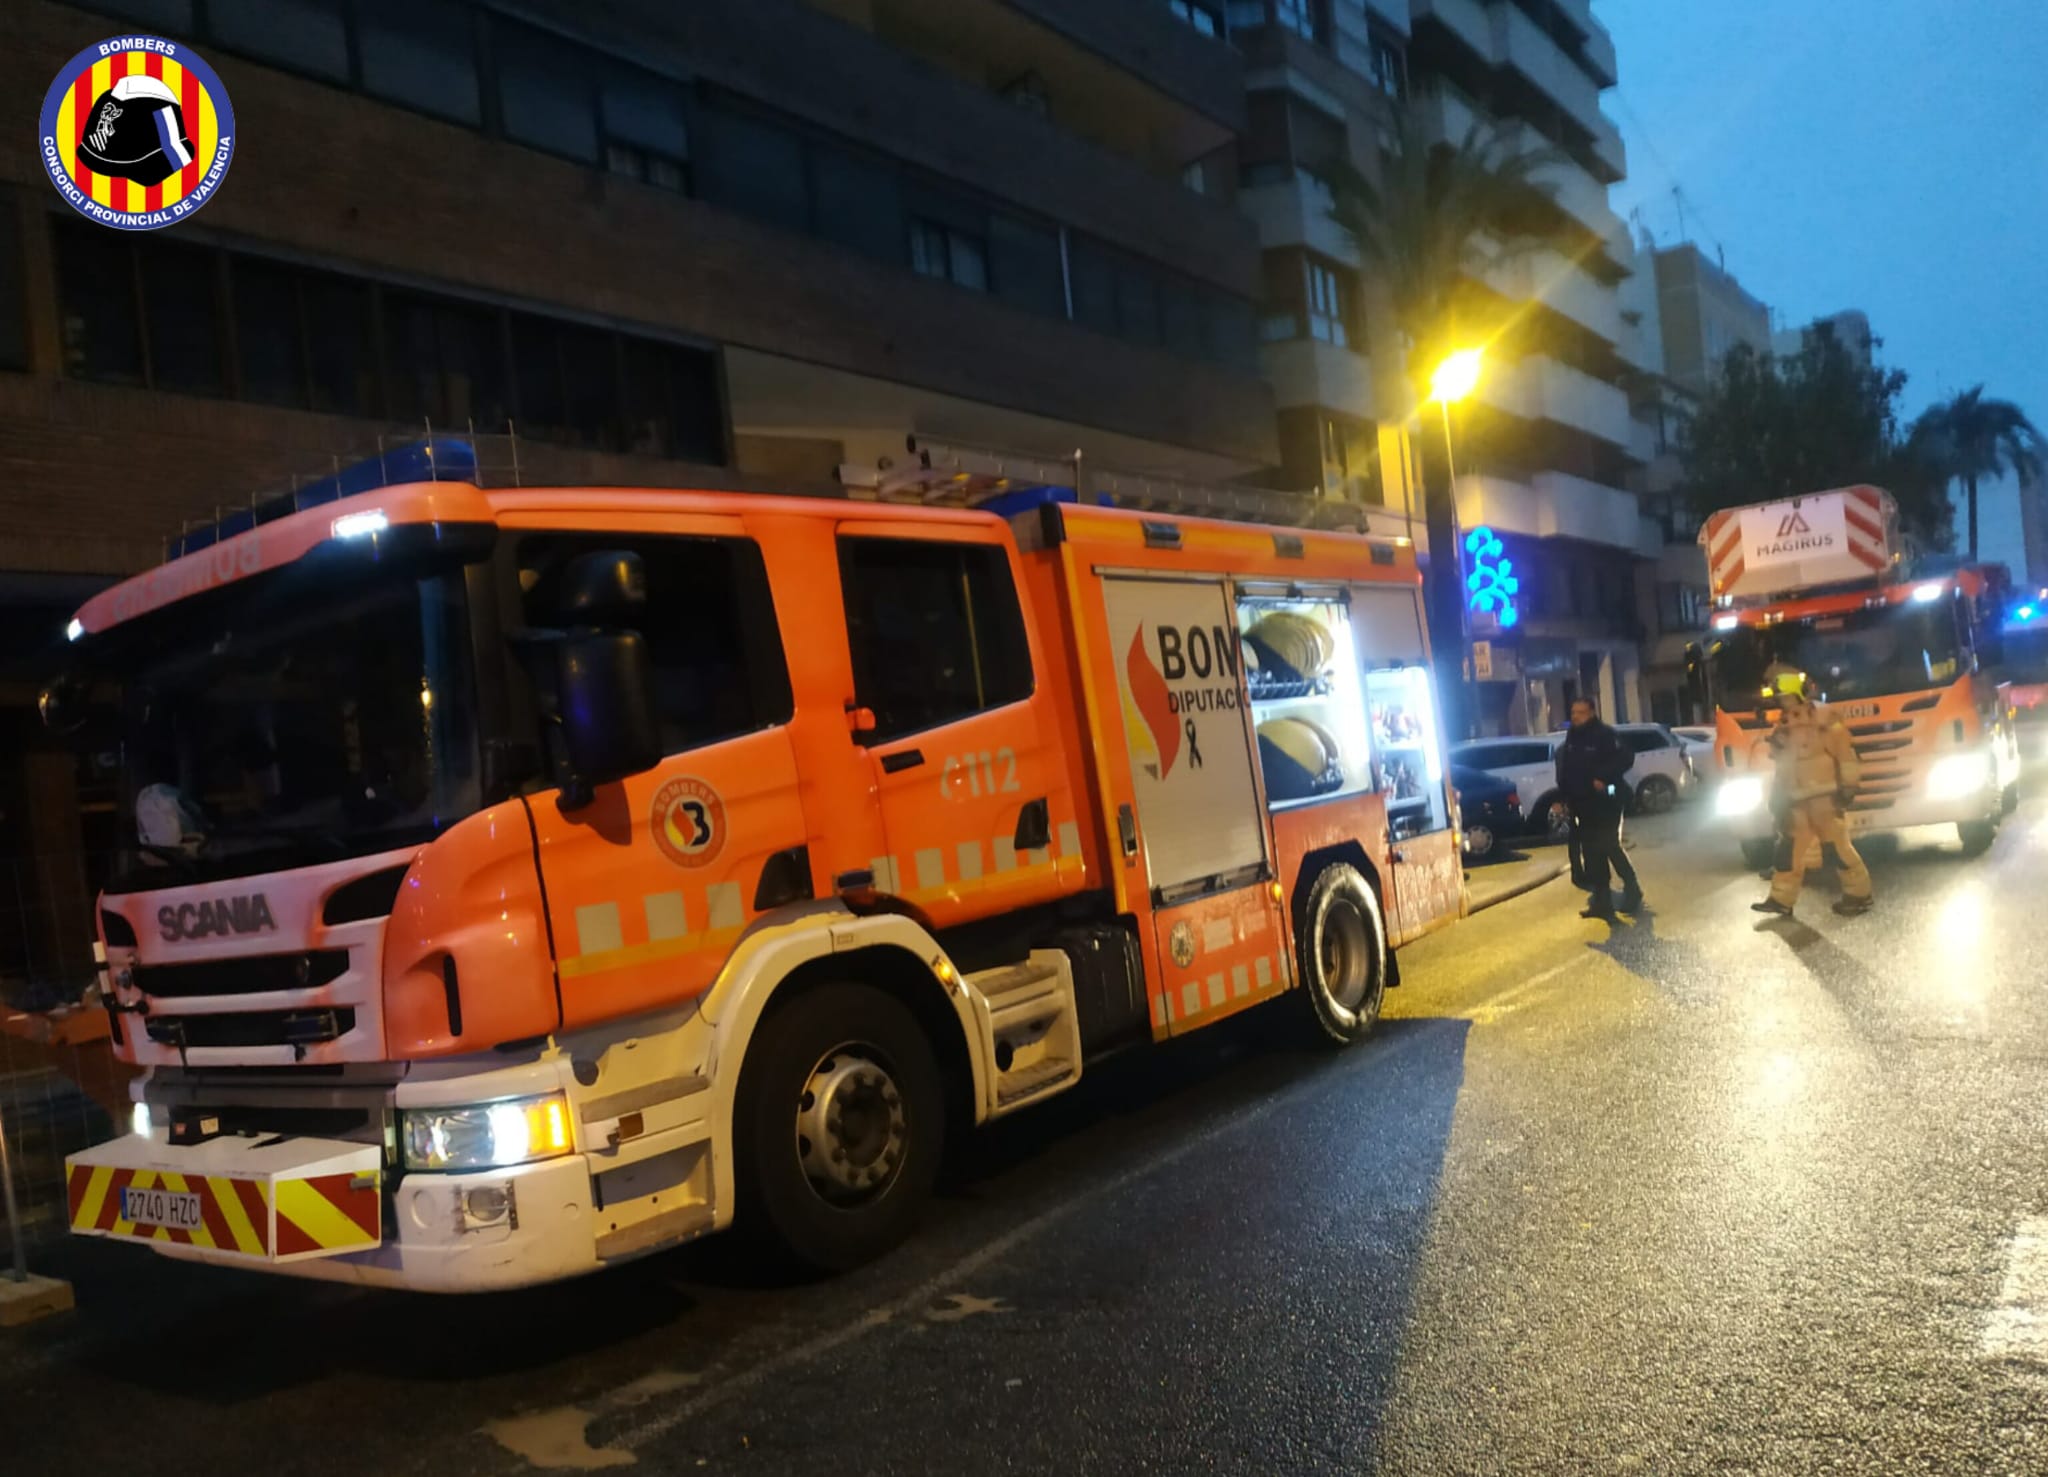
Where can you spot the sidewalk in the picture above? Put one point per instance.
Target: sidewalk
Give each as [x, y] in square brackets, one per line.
[1496, 882]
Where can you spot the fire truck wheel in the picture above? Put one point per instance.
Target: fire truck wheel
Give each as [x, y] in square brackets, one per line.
[1758, 851]
[838, 1126]
[1977, 836]
[1343, 954]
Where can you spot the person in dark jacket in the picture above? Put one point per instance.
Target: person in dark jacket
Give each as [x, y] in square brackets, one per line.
[1592, 764]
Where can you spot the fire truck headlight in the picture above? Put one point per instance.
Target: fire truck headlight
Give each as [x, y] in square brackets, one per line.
[1958, 776]
[1739, 796]
[487, 1135]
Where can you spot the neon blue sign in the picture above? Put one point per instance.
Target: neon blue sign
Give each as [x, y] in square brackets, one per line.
[1491, 586]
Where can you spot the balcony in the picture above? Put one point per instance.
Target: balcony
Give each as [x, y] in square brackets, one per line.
[1465, 19]
[1608, 150]
[1449, 116]
[1296, 212]
[1599, 52]
[1146, 40]
[1311, 372]
[1539, 388]
[1552, 505]
[1527, 48]
[1544, 275]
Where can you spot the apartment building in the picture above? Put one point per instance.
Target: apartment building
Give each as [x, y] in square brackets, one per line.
[727, 241]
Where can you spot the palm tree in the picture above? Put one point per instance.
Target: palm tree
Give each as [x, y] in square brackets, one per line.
[1972, 438]
[1441, 213]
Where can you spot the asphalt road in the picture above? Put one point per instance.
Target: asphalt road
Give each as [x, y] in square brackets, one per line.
[1698, 1193]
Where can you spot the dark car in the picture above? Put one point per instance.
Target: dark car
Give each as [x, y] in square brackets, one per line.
[1490, 807]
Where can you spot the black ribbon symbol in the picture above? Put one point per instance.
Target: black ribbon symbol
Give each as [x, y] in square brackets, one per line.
[1194, 749]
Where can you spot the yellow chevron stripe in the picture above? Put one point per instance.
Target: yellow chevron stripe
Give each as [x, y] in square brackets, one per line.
[95, 1197]
[318, 1216]
[247, 1240]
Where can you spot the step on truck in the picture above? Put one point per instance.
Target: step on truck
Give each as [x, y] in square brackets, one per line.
[1818, 585]
[520, 881]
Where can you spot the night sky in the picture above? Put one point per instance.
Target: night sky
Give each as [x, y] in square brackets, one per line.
[1888, 155]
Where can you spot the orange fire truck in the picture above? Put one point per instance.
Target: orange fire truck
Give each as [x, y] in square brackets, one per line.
[523, 880]
[1816, 585]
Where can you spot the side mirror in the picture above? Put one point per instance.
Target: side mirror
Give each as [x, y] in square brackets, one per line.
[61, 703]
[607, 587]
[604, 703]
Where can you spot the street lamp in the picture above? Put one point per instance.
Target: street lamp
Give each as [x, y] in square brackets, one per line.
[1455, 379]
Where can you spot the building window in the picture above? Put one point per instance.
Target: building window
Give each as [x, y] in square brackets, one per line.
[304, 35]
[1328, 314]
[753, 165]
[1206, 16]
[713, 647]
[270, 346]
[1389, 67]
[1246, 15]
[421, 53]
[1196, 177]
[13, 288]
[948, 253]
[545, 93]
[341, 345]
[936, 632]
[1303, 17]
[139, 312]
[646, 131]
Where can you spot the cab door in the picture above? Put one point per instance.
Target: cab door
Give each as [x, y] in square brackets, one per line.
[1427, 873]
[977, 808]
[649, 885]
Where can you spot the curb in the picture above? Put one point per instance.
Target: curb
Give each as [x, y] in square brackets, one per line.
[1527, 884]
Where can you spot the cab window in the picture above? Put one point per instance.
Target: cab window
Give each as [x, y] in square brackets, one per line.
[936, 631]
[709, 624]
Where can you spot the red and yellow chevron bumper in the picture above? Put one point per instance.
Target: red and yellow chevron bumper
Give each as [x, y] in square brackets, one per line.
[272, 1203]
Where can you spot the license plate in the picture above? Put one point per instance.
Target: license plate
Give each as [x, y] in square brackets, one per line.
[154, 1207]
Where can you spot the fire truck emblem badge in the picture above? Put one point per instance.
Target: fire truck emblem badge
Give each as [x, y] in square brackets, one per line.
[688, 821]
[137, 132]
[1155, 737]
[1181, 943]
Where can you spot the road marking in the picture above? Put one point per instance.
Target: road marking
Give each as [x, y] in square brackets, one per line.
[920, 1298]
[1515, 997]
[2018, 1326]
[965, 1305]
[559, 1439]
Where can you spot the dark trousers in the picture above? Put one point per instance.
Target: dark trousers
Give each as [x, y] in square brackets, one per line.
[1600, 850]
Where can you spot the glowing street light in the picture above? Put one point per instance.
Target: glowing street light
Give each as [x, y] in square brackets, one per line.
[1456, 377]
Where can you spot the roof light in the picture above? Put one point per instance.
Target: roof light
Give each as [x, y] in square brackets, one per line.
[359, 525]
[2026, 613]
[76, 629]
[1724, 622]
[1925, 593]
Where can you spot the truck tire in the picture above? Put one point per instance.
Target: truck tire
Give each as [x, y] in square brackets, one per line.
[1759, 853]
[1977, 836]
[838, 1126]
[1341, 952]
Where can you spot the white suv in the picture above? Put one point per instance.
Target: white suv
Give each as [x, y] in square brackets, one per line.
[1661, 774]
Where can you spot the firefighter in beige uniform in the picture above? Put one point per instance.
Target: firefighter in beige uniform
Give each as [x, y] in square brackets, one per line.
[1818, 769]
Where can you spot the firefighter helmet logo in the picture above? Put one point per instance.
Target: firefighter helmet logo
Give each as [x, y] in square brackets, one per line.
[137, 132]
[1181, 943]
[1149, 721]
[688, 821]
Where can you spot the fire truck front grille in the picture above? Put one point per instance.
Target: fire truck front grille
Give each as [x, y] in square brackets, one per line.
[1871, 730]
[253, 1028]
[1883, 746]
[256, 975]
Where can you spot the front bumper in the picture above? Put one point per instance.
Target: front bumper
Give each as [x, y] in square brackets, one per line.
[1869, 814]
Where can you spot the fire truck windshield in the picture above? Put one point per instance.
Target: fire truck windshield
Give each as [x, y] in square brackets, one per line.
[272, 726]
[1860, 654]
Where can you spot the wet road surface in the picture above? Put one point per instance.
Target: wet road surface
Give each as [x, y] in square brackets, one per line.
[1697, 1193]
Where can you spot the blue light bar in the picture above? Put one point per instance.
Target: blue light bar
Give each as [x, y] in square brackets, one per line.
[1024, 499]
[429, 459]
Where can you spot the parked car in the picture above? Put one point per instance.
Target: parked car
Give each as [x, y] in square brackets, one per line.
[1489, 809]
[1698, 737]
[1529, 763]
[1664, 771]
